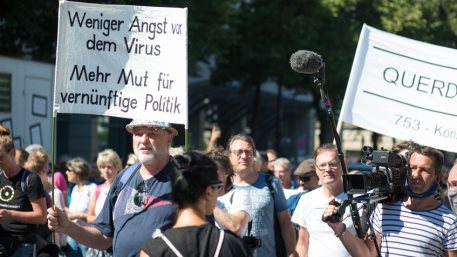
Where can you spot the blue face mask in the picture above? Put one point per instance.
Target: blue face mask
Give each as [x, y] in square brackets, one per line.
[431, 191]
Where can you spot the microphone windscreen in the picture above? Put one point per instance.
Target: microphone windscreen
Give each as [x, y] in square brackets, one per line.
[307, 62]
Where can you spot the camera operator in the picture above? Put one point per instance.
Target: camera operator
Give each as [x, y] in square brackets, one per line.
[314, 237]
[416, 225]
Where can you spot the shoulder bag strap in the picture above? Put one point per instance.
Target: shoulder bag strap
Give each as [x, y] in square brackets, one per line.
[269, 181]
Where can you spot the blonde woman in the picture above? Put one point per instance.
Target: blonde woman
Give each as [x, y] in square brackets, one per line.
[109, 164]
[37, 162]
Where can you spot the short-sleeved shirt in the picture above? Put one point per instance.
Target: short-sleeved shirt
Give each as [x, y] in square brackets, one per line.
[407, 232]
[13, 198]
[236, 200]
[141, 207]
[322, 239]
[262, 209]
[196, 241]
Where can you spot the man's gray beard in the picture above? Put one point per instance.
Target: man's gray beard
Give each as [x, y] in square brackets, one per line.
[148, 159]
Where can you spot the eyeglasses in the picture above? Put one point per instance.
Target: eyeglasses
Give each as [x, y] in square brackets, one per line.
[239, 152]
[218, 186]
[139, 199]
[332, 165]
[305, 178]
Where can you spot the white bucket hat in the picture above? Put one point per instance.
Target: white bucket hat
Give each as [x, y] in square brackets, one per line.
[151, 124]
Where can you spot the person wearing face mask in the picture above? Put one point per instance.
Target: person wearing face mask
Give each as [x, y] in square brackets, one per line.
[419, 224]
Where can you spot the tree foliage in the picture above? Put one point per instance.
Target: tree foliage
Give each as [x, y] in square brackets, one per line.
[269, 31]
[29, 28]
[250, 41]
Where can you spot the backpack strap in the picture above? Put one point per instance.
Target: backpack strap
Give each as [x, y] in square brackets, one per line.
[269, 181]
[219, 243]
[158, 233]
[126, 177]
[24, 180]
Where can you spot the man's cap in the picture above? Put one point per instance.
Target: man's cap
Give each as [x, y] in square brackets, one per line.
[306, 168]
[150, 124]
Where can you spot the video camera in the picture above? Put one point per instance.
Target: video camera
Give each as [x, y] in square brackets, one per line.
[385, 182]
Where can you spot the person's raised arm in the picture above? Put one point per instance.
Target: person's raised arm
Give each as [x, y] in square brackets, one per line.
[86, 235]
[215, 135]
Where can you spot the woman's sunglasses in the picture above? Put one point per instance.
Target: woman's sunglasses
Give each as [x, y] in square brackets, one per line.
[218, 186]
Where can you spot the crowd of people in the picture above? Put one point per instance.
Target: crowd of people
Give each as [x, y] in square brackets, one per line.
[224, 201]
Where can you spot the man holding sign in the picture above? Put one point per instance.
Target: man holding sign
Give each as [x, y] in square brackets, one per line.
[139, 201]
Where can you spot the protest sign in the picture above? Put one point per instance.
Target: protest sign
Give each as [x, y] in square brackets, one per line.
[403, 88]
[123, 61]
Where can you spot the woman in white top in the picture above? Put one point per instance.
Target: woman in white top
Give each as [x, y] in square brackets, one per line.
[78, 173]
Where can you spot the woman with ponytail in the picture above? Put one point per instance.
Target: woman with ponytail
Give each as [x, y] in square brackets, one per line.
[195, 188]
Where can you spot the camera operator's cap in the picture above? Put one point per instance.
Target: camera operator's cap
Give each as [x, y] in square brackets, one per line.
[150, 124]
[306, 168]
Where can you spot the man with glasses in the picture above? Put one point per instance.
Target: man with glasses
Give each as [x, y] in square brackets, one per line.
[264, 205]
[135, 206]
[315, 238]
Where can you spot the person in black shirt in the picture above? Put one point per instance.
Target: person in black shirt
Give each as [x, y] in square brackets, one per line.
[22, 202]
[195, 188]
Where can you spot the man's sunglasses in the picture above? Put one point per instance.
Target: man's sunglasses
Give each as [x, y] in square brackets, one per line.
[140, 197]
[305, 178]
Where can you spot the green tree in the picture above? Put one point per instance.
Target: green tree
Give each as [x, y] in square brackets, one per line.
[29, 28]
[271, 30]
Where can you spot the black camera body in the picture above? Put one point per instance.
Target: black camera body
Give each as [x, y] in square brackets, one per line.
[386, 180]
[252, 242]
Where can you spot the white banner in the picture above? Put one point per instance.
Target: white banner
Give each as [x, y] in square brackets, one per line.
[124, 61]
[403, 88]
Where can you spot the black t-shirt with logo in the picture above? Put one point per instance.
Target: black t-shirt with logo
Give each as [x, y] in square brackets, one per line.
[12, 197]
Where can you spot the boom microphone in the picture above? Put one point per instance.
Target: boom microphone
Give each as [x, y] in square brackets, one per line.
[306, 62]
